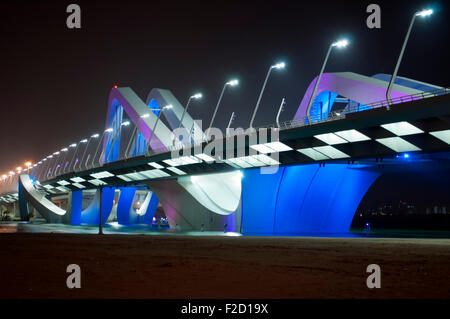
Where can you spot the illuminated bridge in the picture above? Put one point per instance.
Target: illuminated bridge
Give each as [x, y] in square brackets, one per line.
[307, 175]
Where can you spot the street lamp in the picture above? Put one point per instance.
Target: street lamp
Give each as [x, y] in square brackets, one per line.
[167, 107]
[73, 145]
[338, 44]
[85, 150]
[423, 14]
[125, 123]
[108, 130]
[229, 83]
[275, 66]
[195, 96]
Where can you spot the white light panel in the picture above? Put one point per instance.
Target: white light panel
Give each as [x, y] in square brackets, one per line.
[330, 138]
[331, 152]
[352, 136]
[442, 135]
[312, 153]
[398, 144]
[401, 128]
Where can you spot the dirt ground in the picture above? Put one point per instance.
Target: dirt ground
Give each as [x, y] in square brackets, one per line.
[139, 266]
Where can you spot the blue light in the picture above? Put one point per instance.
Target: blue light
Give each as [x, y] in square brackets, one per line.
[406, 155]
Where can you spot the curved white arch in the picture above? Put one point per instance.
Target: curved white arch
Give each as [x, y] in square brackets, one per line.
[220, 193]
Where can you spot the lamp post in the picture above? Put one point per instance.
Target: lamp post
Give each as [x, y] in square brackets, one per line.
[424, 13]
[167, 107]
[85, 149]
[108, 130]
[125, 123]
[195, 96]
[338, 44]
[275, 66]
[76, 148]
[229, 83]
[283, 102]
[83, 141]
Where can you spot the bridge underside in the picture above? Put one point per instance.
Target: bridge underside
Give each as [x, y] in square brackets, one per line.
[296, 199]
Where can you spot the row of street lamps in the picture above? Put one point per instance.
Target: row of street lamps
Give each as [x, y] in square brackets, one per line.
[338, 44]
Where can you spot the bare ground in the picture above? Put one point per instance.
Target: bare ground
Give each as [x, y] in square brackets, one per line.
[139, 266]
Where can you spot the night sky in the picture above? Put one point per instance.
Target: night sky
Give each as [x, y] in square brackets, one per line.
[55, 81]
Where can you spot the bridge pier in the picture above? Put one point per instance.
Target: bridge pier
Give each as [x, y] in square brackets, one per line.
[309, 199]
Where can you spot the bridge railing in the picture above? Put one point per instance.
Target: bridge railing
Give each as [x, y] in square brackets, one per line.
[338, 115]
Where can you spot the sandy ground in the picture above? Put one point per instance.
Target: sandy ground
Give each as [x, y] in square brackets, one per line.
[139, 266]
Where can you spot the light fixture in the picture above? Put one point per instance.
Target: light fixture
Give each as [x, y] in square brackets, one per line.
[340, 44]
[280, 65]
[424, 13]
[95, 135]
[197, 96]
[233, 82]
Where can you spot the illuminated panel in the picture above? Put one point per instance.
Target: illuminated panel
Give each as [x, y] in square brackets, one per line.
[62, 189]
[352, 136]
[103, 174]
[136, 176]
[398, 144]
[240, 162]
[176, 170]
[266, 159]
[401, 128]
[205, 157]
[278, 146]
[330, 138]
[262, 148]
[171, 162]
[48, 186]
[442, 135]
[331, 152]
[160, 173]
[97, 182]
[312, 153]
[63, 183]
[125, 178]
[78, 185]
[231, 163]
[272, 147]
[253, 161]
[155, 165]
[77, 179]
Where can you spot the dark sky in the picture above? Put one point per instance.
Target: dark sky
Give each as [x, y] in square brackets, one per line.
[55, 81]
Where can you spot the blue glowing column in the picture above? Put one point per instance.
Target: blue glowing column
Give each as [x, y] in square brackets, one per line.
[259, 196]
[91, 215]
[125, 214]
[76, 201]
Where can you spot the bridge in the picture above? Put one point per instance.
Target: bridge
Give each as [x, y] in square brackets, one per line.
[306, 175]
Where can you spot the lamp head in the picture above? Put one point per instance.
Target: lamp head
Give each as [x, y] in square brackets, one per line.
[424, 13]
[280, 65]
[197, 96]
[233, 82]
[341, 43]
[95, 135]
